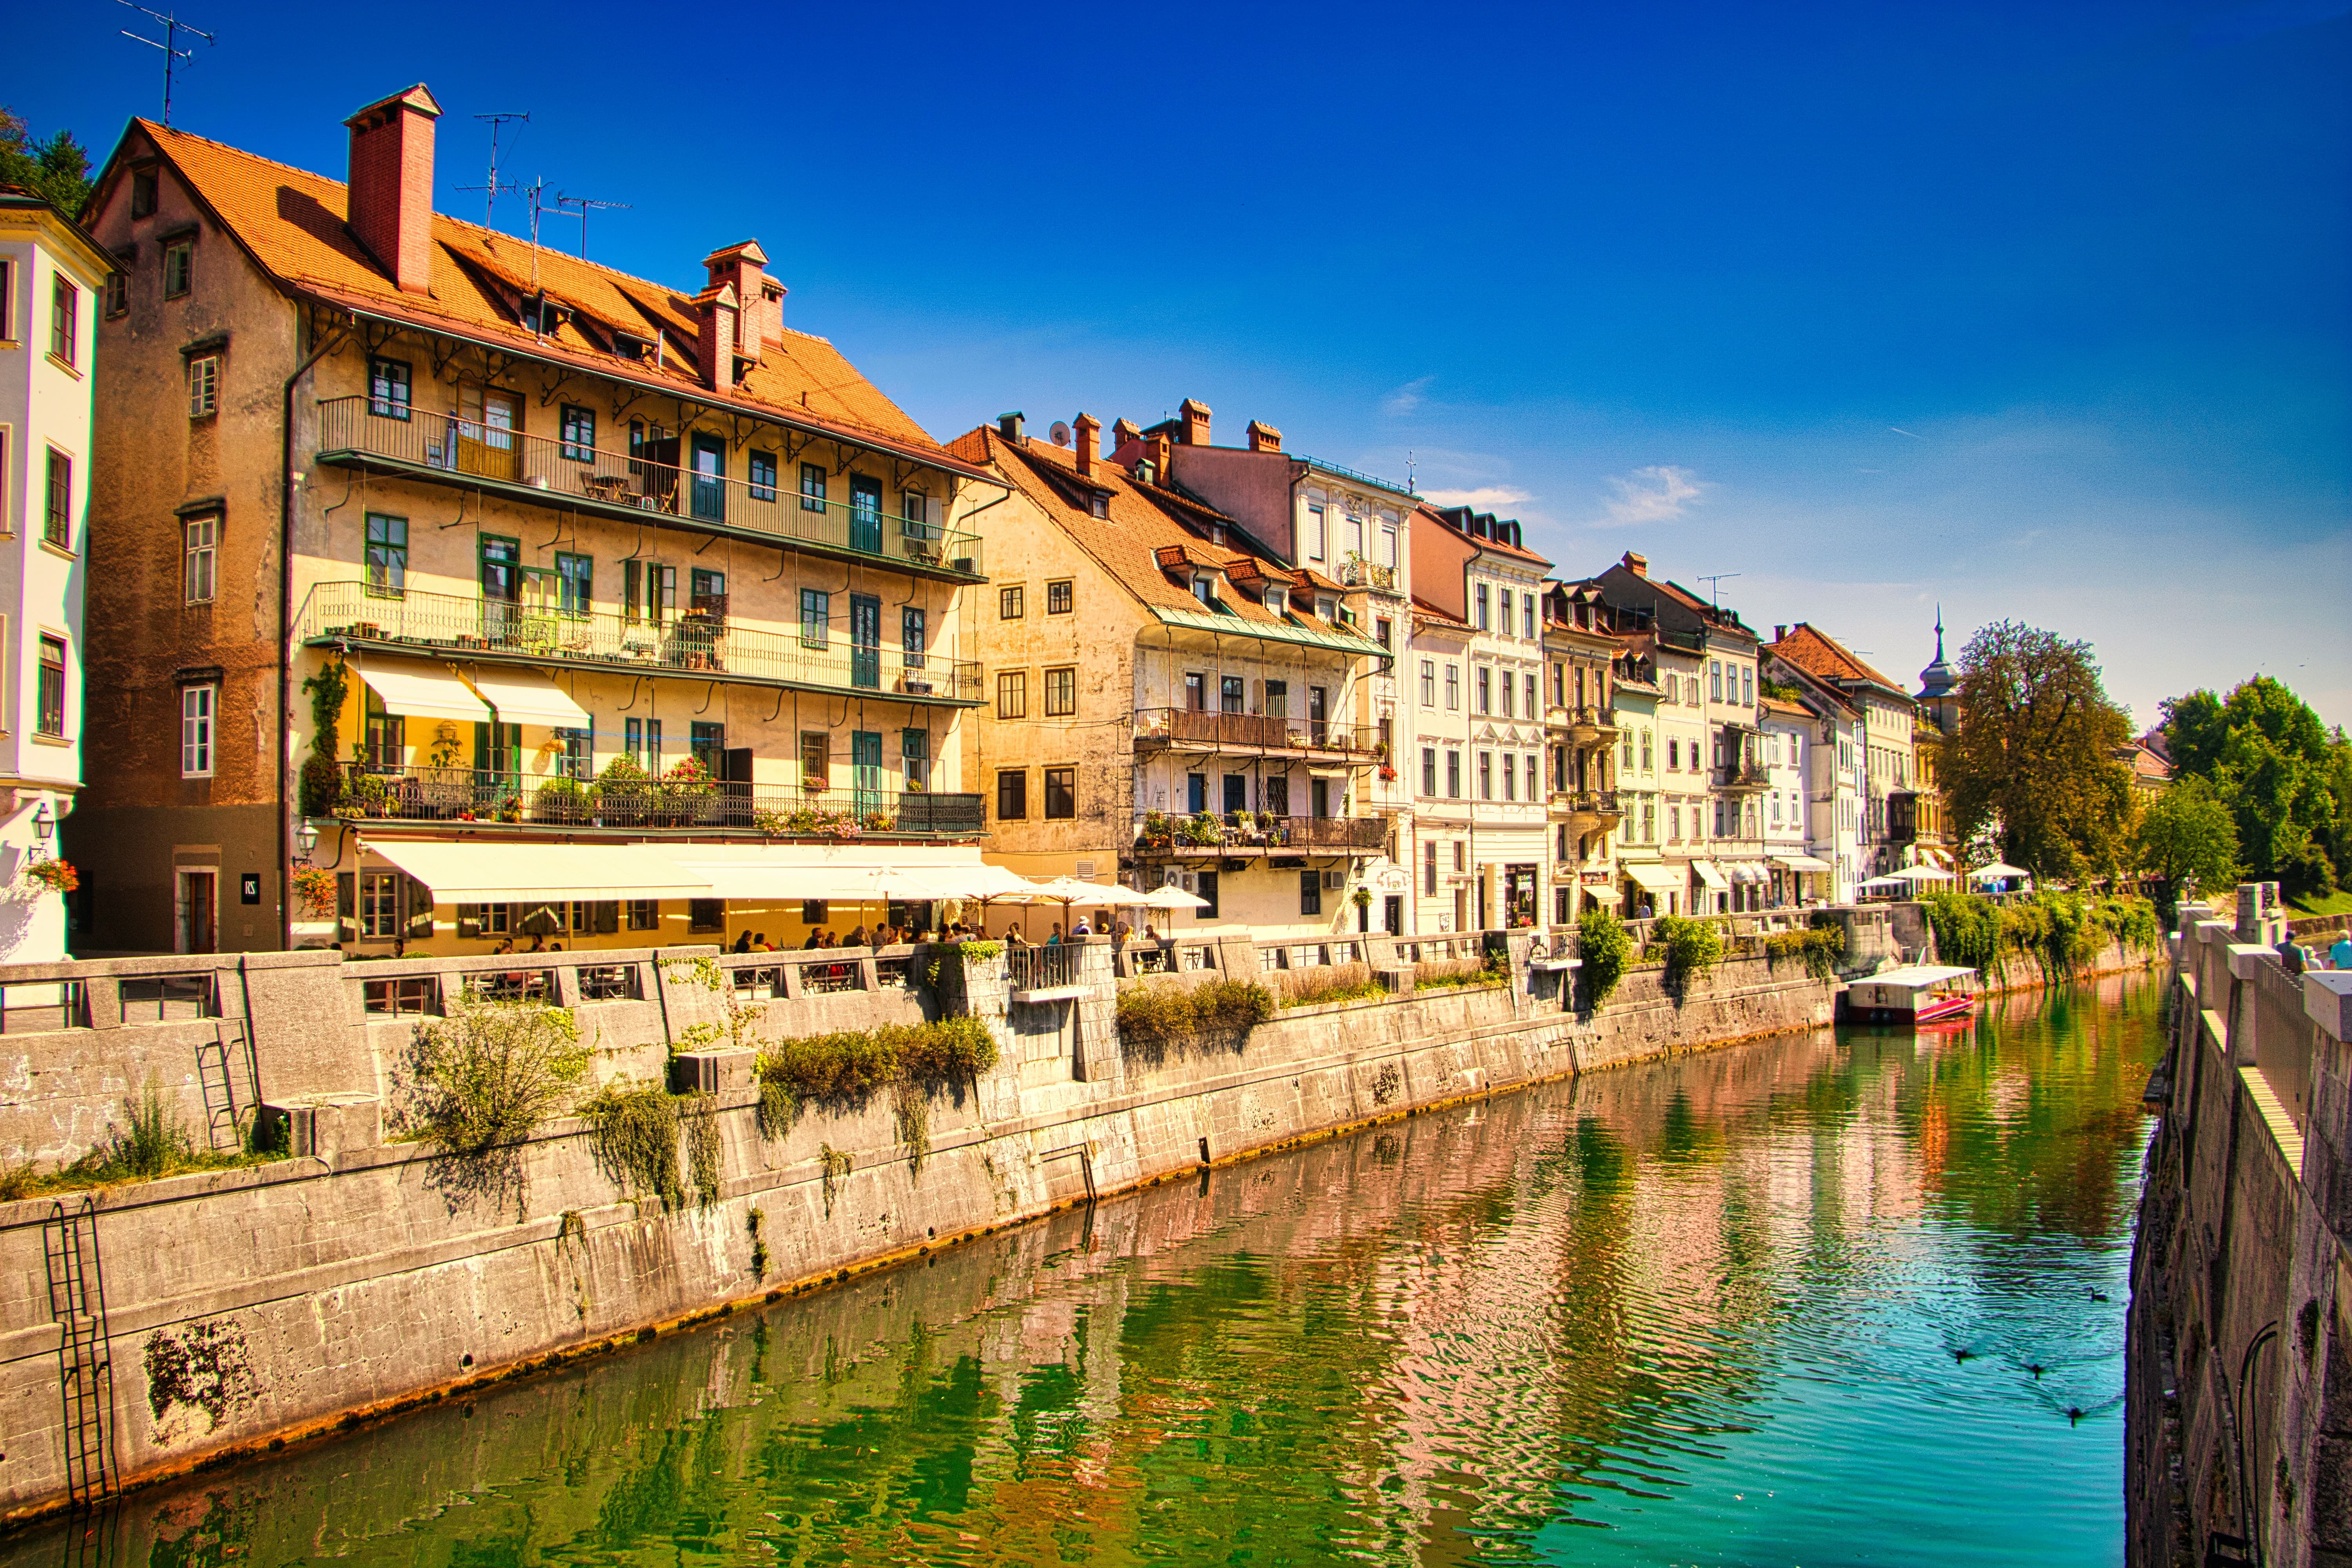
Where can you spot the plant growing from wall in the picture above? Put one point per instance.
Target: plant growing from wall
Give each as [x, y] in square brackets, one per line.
[912, 1061]
[635, 1129]
[487, 1073]
[1606, 948]
[1221, 1012]
[753, 1222]
[1690, 947]
[1820, 948]
[832, 1165]
[1967, 930]
[322, 780]
[961, 954]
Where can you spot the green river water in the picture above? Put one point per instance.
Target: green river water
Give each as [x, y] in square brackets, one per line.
[1780, 1304]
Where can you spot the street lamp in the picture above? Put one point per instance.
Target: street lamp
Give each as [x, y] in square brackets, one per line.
[305, 839]
[44, 824]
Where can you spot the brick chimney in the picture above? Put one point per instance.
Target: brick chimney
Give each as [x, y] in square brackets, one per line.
[760, 300]
[389, 205]
[717, 309]
[1009, 427]
[1157, 447]
[1195, 415]
[1122, 431]
[1637, 564]
[1778, 633]
[1086, 431]
[1263, 436]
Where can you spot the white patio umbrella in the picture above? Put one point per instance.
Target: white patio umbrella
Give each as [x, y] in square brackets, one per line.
[1920, 874]
[1172, 898]
[1996, 871]
[1067, 891]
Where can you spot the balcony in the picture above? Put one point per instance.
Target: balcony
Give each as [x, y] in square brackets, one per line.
[1742, 775]
[442, 449]
[1587, 724]
[697, 644]
[1366, 574]
[1251, 833]
[1262, 734]
[1587, 810]
[686, 806]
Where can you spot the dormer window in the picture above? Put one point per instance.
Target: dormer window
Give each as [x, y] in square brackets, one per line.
[1205, 590]
[1327, 608]
[628, 345]
[1274, 598]
[1098, 505]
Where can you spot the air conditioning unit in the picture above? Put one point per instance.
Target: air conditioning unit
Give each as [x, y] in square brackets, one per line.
[1335, 879]
[1084, 869]
[1192, 881]
[1172, 877]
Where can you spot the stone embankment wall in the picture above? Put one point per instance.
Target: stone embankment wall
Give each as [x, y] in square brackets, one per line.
[2238, 1421]
[360, 1275]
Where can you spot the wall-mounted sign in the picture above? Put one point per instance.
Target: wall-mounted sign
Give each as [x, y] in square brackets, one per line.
[248, 888]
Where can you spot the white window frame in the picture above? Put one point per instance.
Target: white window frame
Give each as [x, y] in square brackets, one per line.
[204, 386]
[199, 730]
[200, 555]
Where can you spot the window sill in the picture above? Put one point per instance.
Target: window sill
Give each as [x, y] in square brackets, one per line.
[61, 742]
[60, 551]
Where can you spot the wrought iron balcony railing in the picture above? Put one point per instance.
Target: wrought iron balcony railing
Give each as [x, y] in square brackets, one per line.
[1193, 728]
[1745, 774]
[1586, 802]
[1367, 574]
[443, 445]
[1256, 833]
[422, 794]
[694, 643]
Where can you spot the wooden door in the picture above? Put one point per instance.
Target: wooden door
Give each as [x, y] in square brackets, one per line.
[488, 443]
[197, 930]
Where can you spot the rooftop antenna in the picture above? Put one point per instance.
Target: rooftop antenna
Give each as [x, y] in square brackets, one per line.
[490, 191]
[173, 53]
[585, 203]
[1407, 472]
[1713, 596]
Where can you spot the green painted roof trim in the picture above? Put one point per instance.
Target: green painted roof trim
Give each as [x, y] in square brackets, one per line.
[1290, 631]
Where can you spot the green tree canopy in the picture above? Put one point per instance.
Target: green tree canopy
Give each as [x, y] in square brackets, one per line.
[58, 169]
[2032, 760]
[2286, 782]
[2187, 837]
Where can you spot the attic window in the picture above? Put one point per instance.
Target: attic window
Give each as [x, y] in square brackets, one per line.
[1327, 608]
[628, 345]
[142, 192]
[1204, 590]
[1099, 505]
[1274, 598]
[542, 314]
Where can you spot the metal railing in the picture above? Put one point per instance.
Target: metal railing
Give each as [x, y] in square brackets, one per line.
[425, 793]
[1742, 775]
[1254, 732]
[1256, 833]
[692, 643]
[1036, 968]
[1586, 802]
[1367, 574]
[1357, 474]
[465, 450]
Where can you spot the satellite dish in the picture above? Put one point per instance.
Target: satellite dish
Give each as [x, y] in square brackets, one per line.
[1060, 433]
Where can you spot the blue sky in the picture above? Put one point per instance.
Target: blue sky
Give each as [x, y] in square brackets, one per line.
[2040, 311]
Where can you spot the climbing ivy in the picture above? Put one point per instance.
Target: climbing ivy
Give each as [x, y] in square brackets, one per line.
[322, 782]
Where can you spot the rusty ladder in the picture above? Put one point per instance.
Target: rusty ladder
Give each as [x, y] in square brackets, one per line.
[85, 1369]
[216, 1061]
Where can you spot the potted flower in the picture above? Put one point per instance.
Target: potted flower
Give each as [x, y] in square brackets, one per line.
[623, 792]
[878, 821]
[560, 799]
[1157, 831]
[56, 876]
[1388, 773]
[684, 789]
[1201, 831]
[314, 891]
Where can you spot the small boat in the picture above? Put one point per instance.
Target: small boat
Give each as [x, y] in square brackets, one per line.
[1921, 993]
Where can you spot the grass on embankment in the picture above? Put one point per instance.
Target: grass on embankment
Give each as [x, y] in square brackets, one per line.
[153, 1145]
[2338, 902]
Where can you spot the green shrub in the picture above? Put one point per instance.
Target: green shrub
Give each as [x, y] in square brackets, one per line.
[1968, 930]
[150, 1141]
[153, 1139]
[1820, 947]
[1336, 982]
[910, 1060]
[634, 1129]
[1606, 950]
[1690, 947]
[489, 1072]
[1220, 1011]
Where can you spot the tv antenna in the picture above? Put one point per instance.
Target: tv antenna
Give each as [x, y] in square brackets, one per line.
[585, 203]
[497, 122]
[173, 53]
[1408, 473]
[1712, 595]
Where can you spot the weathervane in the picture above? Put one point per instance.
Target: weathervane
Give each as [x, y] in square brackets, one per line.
[173, 53]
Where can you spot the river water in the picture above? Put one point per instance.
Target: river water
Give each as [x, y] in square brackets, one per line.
[1835, 1298]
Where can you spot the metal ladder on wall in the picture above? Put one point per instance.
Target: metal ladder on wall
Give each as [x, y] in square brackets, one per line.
[216, 1071]
[85, 1368]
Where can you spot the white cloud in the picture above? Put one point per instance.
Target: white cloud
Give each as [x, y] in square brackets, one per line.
[1406, 398]
[1659, 493]
[1486, 498]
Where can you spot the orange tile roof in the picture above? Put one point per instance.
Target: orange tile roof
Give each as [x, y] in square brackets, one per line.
[1425, 614]
[290, 222]
[1818, 654]
[1144, 535]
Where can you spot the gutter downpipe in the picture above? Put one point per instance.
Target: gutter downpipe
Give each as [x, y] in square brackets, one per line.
[286, 622]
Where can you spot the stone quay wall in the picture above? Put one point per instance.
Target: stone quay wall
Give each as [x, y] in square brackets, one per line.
[359, 1276]
[2237, 1417]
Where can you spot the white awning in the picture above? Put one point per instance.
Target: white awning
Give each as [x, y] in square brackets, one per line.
[1749, 871]
[523, 698]
[846, 873]
[1656, 879]
[1710, 875]
[1803, 863]
[479, 872]
[1605, 895]
[423, 691]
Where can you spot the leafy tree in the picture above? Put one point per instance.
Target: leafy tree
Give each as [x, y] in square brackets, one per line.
[58, 169]
[2031, 761]
[2286, 782]
[2188, 839]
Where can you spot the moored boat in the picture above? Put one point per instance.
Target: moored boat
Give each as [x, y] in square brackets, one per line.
[1920, 993]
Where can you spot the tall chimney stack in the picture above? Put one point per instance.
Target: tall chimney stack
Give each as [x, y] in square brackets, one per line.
[1195, 415]
[1086, 431]
[758, 299]
[389, 200]
[717, 309]
[1637, 564]
[1009, 426]
[1263, 437]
